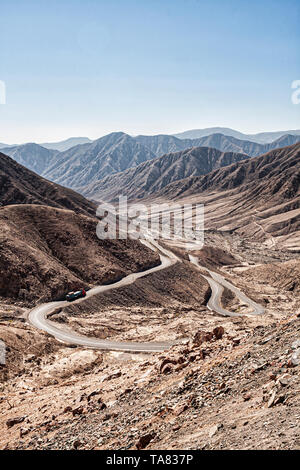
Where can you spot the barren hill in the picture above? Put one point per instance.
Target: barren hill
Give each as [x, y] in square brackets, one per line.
[87, 163]
[44, 252]
[253, 149]
[150, 177]
[160, 144]
[259, 197]
[48, 241]
[275, 173]
[18, 185]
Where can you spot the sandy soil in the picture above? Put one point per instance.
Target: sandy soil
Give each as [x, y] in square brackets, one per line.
[240, 391]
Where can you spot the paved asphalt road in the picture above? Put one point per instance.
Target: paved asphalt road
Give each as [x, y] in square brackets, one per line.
[217, 284]
[38, 316]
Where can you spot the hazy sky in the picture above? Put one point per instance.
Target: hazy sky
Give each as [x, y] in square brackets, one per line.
[89, 67]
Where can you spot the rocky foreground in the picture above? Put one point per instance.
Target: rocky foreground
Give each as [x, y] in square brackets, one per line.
[223, 390]
[231, 383]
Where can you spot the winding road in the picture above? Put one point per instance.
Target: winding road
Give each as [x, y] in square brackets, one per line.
[217, 284]
[38, 317]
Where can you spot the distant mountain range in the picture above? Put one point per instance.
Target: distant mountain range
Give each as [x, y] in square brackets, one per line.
[32, 156]
[277, 173]
[88, 163]
[66, 144]
[261, 137]
[2, 146]
[160, 144]
[60, 146]
[154, 175]
[258, 197]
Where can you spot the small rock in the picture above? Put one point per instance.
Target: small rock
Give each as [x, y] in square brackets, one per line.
[294, 361]
[180, 409]
[275, 399]
[77, 444]
[215, 429]
[77, 411]
[283, 380]
[218, 332]
[247, 396]
[102, 405]
[24, 431]
[202, 337]
[145, 440]
[296, 344]
[168, 364]
[272, 399]
[11, 422]
[92, 394]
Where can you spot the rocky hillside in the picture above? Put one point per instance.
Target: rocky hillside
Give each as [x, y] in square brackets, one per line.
[253, 149]
[233, 383]
[48, 242]
[18, 185]
[150, 177]
[88, 163]
[45, 252]
[162, 144]
[258, 197]
[275, 174]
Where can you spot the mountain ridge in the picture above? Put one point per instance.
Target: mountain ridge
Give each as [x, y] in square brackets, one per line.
[33, 156]
[258, 198]
[260, 137]
[161, 143]
[66, 144]
[244, 172]
[153, 175]
[88, 163]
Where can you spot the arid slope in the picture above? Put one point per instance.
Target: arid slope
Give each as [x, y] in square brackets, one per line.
[45, 251]
[18, 185]
[153, 176]
[259, 197]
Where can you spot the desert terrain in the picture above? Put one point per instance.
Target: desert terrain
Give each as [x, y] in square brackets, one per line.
[150, 230]
[228, 383]
[201, 343]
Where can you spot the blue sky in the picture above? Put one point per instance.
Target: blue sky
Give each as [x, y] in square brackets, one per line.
[90, 67]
